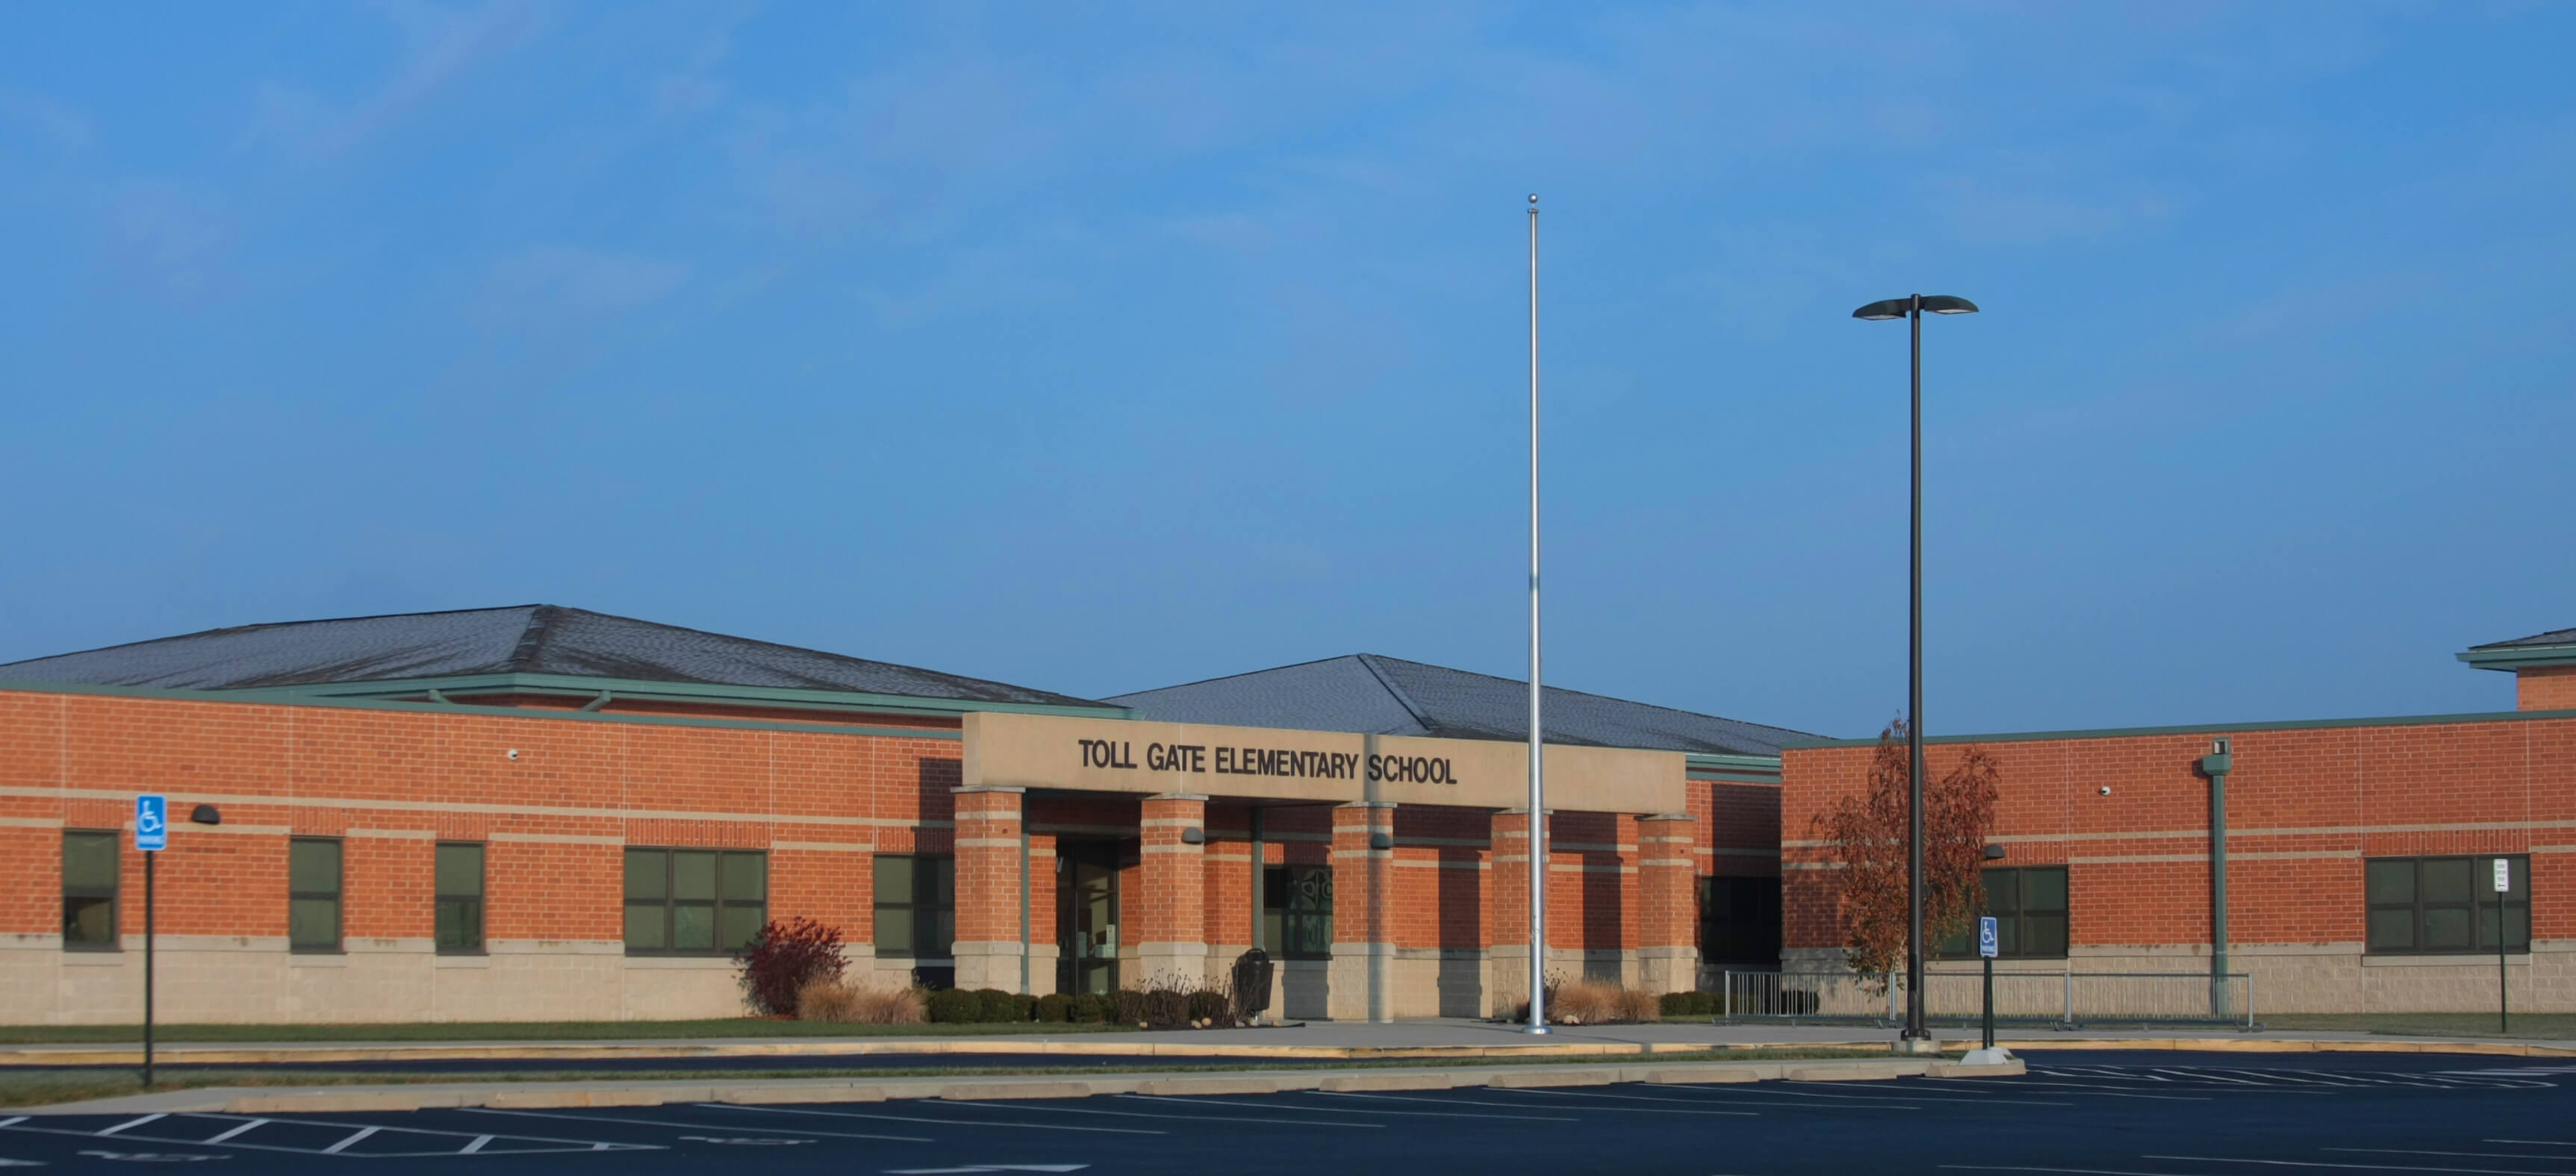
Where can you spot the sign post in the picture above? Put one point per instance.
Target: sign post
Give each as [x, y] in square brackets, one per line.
[1986, 948]
[151, 836]
[2503, 884]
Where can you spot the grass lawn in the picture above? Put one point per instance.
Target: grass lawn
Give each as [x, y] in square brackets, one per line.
[2547, 1026]
[39, 1087]
[513, 1031]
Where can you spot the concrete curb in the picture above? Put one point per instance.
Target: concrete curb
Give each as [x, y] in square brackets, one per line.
[551, 1096]
[45, 1055]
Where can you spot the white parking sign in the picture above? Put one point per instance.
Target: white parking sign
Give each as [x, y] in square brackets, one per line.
[1986, 945]
[2503, 875]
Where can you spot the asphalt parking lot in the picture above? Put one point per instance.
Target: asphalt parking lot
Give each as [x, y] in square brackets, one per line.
[2109, 1114]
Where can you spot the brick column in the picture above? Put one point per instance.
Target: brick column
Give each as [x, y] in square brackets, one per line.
[1169, 916]
[1507, 960]
[1363, 927]
[1667, 903]
[988, 889]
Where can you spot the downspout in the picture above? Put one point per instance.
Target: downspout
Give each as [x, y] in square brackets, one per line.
[1259, 943]
[2220, 760]
[1024, 900]
[596, 703]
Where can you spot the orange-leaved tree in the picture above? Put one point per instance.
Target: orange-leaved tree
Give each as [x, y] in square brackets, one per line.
[1866, 834]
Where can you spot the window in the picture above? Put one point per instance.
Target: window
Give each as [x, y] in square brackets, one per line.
[694, 901]
[90, 865]
[1297, 912]
[2029, 906]
[459, 898]
[916, 905]
[2438, 905]
[313, 894]
[1739, 921]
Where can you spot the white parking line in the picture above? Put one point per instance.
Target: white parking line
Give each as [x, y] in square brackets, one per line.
[105, 1131]
[336, 1148]
[1356, 1110]
[676, 1126]
[2410, 1151]
[1151, 1115]
[2104, 1091]
[920, 1119]
[1446, 1102]
[1628, 1110]
[2027, 1102]
[2371, 1167]
[2527, 1142]
[2023, 1168]
[251, 1125]
[229, 1139]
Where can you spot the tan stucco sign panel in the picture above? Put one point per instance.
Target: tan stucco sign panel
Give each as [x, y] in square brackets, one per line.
[1110, 755]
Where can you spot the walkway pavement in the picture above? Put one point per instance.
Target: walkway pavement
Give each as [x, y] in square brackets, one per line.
[1314, 1041]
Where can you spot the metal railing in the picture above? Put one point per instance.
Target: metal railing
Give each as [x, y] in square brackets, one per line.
[2060, 999]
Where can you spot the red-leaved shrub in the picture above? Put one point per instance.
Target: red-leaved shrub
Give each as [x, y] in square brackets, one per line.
[787, 955]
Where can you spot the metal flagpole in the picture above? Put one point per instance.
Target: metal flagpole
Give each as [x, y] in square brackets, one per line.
[1537, 761]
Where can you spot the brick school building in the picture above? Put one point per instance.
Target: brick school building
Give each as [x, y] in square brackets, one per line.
[543, 813]
[2356, 858]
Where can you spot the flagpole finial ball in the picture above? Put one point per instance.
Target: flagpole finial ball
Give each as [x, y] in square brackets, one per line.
[1533, 197]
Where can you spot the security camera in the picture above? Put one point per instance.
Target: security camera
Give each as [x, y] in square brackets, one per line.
[2106, 789]
[514, 754]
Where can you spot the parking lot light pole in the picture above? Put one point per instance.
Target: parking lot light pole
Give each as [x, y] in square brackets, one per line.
[1912, 308]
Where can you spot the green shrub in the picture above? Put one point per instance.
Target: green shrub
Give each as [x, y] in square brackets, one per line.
[1092, 1008]
[994, 1006]
[1130, 1007]
[1212, 1007]
[948, 1006]
[1690, 1004]
[1054, 1007]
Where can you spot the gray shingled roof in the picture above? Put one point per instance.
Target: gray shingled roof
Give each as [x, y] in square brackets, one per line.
[1372, 694]
[525, 639]
[2557, 637]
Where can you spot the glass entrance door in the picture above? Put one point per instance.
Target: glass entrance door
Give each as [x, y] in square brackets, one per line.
[1087, 916]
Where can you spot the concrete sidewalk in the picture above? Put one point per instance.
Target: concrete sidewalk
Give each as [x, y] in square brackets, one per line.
[1314, 1041]
[285, 1100]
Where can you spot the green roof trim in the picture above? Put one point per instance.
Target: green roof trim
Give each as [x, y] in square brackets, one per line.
[2211, 728]
[1739, 769]
[264, 698]
[2516, 657]
[630, 689]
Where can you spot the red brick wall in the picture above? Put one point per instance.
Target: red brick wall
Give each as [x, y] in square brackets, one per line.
[2546, 688]
[2305, 806]
[554, 817]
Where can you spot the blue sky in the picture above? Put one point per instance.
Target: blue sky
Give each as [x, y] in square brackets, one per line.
[1103, 348]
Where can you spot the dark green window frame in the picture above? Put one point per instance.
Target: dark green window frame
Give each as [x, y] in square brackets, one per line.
[2444, 904]
[457, 897]
[916, 906]
[93, 866]
[2031, 906]
[1739, 920]
[1297, 911]
[694, 902]
[315, 870]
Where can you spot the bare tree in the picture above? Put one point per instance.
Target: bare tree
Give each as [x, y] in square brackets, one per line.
[1866, 835]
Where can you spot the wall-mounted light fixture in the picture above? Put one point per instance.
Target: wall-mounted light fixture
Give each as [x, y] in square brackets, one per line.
[205, 814]
[1381, 841]
[1194, 836]
[1994, 853]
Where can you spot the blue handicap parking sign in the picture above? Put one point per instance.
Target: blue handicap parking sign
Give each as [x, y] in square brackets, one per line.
[1986, 937]
[151, 823]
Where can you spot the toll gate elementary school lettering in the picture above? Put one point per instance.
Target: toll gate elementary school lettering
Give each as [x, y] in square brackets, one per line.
[1263, 761]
